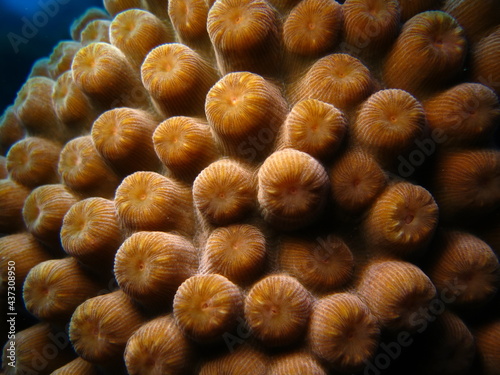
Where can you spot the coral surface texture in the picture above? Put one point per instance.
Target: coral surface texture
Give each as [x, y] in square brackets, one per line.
[256, 187]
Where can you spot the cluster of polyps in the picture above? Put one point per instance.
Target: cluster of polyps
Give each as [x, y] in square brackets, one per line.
[235, 168]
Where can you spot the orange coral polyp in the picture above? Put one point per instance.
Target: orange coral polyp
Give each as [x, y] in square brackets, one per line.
[44, 210]
[371, 24]
[242, 98]
[103, 72]
[244, 357]
[229, 32]
[101, 326]
[356, 180]
[72, 106]
[61, 58]
[467, 182]
[82, 169]
[396, 292]
[91, 232]
[54, 288]
[402, 220]
[243, 106]
[245, 36]
[185, 146]
[135, 32]
[296, 363]
[313, 27]
[150, 266]
[123, 137]
[178, 79]
[467, 113]
[388, 123]
[11, 129]
[314, 127]
[237, 252]
[23, 249]
[292, 189]
[189, 18]
[95, 32]
[207, 306]
[436, 43]
[81, 23]
[486, 66]
[323, 265]
[410, 8]
[34, 108]
[150, 201]
[486, 338]
[337, 79]
[277, 309]
[343, 331]
[468, 262]
[144, 353]
[224, 192]
[475, 16]
[117, 6]
[33, 161]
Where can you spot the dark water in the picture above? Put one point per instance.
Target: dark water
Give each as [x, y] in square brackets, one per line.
[21, 45]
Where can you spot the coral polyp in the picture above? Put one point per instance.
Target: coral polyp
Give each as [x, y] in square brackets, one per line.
[144, 354]
[292, 189]
[343, 331]
[261, 187]
[277, 309]
[150, 266]
[435, 41]
[312, 27]
[207, 306]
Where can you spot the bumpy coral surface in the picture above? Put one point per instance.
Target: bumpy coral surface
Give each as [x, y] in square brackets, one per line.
[257, 187]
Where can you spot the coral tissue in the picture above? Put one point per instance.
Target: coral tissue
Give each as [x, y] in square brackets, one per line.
[258, 187]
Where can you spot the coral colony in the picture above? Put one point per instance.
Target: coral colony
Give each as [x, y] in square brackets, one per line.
[250, 187]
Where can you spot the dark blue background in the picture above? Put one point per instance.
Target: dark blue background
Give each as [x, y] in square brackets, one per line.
[16, 66]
